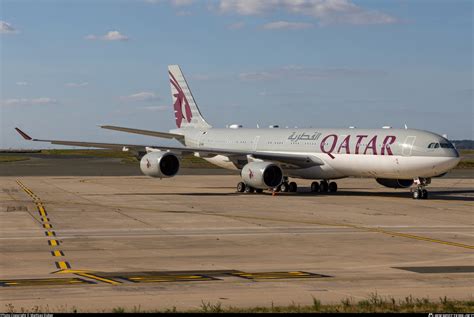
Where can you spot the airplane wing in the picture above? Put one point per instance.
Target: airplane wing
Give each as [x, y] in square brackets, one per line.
[158, 134]
[295, 160]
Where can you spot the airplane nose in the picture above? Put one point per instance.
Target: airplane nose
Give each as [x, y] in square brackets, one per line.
[451, 162]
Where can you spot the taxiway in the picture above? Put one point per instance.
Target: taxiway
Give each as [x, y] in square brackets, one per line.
[95, 243]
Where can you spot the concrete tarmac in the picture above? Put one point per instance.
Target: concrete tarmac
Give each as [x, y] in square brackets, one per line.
[97, 243]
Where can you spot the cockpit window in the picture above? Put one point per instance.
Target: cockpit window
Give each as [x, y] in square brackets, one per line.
[447, 146]
[435, 145]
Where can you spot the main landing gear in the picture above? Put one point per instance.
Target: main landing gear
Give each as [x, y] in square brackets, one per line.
[288, 187]
[420, 191]
[316, 187]
[242, 188]
[283, 187]
[324, 187]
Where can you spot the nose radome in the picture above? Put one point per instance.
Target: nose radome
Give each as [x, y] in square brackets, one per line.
[451, 162]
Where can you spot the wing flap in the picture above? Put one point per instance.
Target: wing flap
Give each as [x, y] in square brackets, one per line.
[297, 160]
[157, 134]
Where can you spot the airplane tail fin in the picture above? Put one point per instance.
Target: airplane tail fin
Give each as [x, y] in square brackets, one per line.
[186, 111]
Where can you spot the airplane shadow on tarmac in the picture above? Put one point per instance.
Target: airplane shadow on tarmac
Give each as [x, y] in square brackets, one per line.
[439, 195]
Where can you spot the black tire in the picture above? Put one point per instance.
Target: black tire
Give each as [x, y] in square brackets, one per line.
[284, 187]
[417, 194]
[332, 187]
[424, 194]
[323, 187]
[241, 187]
[249, 190]
[315, 187]
[259, 190]
[292, 187]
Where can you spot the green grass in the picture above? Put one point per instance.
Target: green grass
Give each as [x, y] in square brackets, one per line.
[373, 304]
[465, 164]
[466, 152]
[196, 162]
[187, 161]
[467, 159]
[92, 153]
[8, 158]
[125, 157]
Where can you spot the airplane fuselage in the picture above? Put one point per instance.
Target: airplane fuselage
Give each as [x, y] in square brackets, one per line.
[378, 153]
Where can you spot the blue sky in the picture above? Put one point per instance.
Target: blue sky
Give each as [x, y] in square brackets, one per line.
[67, 66]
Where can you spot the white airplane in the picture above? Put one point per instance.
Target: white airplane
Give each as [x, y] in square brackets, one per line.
[267, 158]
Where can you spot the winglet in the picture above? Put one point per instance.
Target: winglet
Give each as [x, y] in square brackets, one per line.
[23, 134]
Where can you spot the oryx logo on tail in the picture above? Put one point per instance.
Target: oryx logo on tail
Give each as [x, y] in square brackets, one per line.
[186, 111]
[178, 104]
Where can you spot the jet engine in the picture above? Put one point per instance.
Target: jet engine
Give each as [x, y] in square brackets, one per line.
[262, 175]
[159, 164]
[395, 183]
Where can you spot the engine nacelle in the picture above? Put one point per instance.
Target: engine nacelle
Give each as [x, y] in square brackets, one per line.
[262, 175]
[395, 183]
[159, 164]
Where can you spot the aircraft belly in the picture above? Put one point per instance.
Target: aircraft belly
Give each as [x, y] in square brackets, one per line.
[221, 161]
[315, 172]
[401, 167]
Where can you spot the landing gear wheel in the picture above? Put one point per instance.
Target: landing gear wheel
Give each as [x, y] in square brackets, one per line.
[277, 189]
[293, 187]
[241, 187]
[323, 186]
[284, 187]
[315, 187]
[259, 191]
[424, 194]
[417, 194]
[249, 190]
[420, 191]
[332, 187]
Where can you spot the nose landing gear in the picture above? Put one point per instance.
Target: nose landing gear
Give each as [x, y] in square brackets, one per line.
[420, 191]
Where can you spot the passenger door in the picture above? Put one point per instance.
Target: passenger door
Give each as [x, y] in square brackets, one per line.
[255, 143]
[407, 146]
